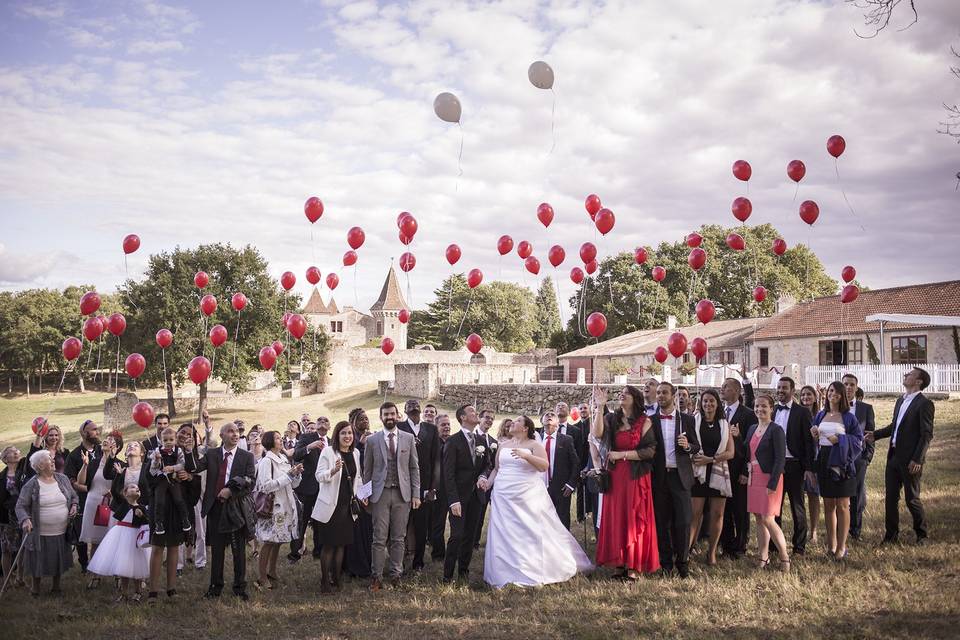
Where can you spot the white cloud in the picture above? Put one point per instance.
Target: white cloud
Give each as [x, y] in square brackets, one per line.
[42, 11]
[154, 46]
[85, 39]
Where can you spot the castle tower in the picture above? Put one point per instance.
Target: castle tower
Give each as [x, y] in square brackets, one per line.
[386, 310]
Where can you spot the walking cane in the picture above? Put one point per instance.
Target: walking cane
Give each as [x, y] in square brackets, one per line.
[13, 566]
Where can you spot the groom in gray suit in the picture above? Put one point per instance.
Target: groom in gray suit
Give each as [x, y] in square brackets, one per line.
[390, 464]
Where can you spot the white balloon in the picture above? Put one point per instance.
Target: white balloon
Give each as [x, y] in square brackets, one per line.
[541, 75]
[447, 107]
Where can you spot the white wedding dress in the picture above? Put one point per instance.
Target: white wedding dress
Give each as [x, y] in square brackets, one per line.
[527, 545]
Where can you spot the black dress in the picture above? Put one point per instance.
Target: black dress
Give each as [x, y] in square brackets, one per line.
[359, 555]
[709, 443]
[338, 531]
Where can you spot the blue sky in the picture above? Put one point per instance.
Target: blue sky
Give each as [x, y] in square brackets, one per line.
[214, 121]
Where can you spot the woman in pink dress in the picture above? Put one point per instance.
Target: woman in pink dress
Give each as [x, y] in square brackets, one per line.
[768, 449]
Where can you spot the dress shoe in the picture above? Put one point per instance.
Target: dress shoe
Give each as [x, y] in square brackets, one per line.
[376, 584]
[242, 595]
[921, 541]
[683, 570]
[211, 593]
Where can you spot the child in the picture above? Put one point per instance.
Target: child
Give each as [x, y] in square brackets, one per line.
[118, 555]
[167, 460]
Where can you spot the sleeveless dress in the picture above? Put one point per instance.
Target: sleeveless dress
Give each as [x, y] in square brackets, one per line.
[118, 554]
[628, 531]
[758, 500]
[90, 532]
[527, 545]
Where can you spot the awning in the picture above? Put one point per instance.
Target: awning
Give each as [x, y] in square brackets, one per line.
[908, 318]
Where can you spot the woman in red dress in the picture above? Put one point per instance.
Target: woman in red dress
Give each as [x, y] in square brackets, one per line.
[628, 533]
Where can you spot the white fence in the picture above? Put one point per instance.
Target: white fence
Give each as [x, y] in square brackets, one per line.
[888, 378]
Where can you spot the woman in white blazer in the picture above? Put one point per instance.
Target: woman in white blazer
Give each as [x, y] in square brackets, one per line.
[339, 476]
[276, 479]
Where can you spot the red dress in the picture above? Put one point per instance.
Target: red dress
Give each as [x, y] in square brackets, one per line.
[628, 532]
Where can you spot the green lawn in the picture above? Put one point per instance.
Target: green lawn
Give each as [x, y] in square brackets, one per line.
[905, 591]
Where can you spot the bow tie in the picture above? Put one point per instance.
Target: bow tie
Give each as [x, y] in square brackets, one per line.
[167, 451]
[663, 417]
[782, 407]
[650, 406]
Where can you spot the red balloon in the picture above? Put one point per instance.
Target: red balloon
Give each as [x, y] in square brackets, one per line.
[104, 323]
[742, 170]
[142, 414]
[592, 205]
[532, 264]
[164, 338]
[677, 344]
[849, 293]
[131, 243]
[556, 255]
[779, 246]
[658, 273]
[404, 239]
[296, 325]
[848, 273]
[453, 254]
[208, 304]
[698, 347]
[387, 346]
[705, 311]
[285, 318]
[40, 426]
[809, 211]
[239, 301]
[474, 278]
[403, 316]
[524, 249]
[198, 370]
[408, 226]
[71, 348]
[268, 356]
[735, 242]
[694, 240]
[92, 329]
[588, 252]
[355, 237]
[604, 221]
[576, 274]
[201, 279]
[407, 262]
[696, 259]
[135, 365]
[313, 209]
[759, 293]
[660, 355]
[545, 214]
[596, 322]
[287, 280]
[277, 347]
[591, 266]
[218, 335]
[796, 170]
[742, 208]
[89, 303]
[474, 343]
[349, 258]
[640, 255]
[836, 145]
[116, 324]
[401, 216]
[313, 275]
[505, 245]
[332, 281]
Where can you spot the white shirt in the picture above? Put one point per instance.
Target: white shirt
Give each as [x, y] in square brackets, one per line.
[668, 427]
[781, 419]
[651, 409]
[907, 399]
[551, 454]
[242, 443]
[415, 427]
[731, 410]
[233, 454]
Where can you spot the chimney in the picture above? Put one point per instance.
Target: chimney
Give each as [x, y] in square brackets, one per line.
[784, 302]
[671, 322]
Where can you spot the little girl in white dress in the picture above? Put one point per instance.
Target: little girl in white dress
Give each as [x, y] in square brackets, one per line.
[119, 554]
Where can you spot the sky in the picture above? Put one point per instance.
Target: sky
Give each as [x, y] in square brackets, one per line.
[190, 123]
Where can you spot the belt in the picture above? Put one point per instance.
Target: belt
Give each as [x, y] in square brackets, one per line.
[127, 524]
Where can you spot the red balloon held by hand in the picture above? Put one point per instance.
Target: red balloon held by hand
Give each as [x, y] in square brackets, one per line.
[313, 275]
[387, 346]
[453, 254]
[591, 266]
[71, 348]
[268, 356]
[89, 303]
[92, 329]
[208, 304]
[592, 205]
[849, 293]
[407, 262]
[403, 316]
[505, 245]
[135, 365]
[588, 252]
[532, 265]
[313, 209]
[677, 344]
[545, 214]
[596, 324]
[759, 293]
[238, 301]
[131, 243]
[355, 237]
[779, 246]
[218, 335]
[556, 255]
[705, 311]
[809, 211]
[164, 338]
[694, 240]
[296, 325]
[474, 343]
[116, 324]
[660, 354]
[658, 274]
[524, 249]
[40, 426]
[742, 208]
[698, 347]
[198, 370]
[735, 241]
[474, 278]
[696, 259]
[332, 281]
[143, 414]
[836, 145]
[576, 275]
[640, 255]
[848, 273]
[287, 280]
[742, 170]
[201, 279]
[604, 221]
[796, 170]
[349, 258]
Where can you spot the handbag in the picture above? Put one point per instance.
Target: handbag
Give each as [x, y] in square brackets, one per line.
[263, 501]
[354, 503]
[102, 516]
[143, 537]
[603, 480]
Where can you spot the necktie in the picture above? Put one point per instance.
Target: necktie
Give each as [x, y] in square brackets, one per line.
[729, 414]
[549, 466]
[392, 445]
[782, 407]
[222, 474]
[473, 451]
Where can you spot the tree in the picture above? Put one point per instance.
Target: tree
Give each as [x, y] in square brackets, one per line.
[547, 314]
[877, 14]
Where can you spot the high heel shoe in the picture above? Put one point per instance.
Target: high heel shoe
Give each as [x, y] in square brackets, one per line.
[764, 562]
[785, 566]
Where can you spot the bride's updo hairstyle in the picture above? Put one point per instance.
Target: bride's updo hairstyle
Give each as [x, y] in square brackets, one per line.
[528, 423]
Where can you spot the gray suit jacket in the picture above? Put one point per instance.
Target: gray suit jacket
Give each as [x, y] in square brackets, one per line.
[408, 465]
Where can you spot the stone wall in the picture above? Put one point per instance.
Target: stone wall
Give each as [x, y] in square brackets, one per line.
[424, 380]
[116, 411]
[519, 398]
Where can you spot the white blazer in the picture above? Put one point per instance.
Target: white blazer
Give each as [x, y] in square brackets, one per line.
[329, 481]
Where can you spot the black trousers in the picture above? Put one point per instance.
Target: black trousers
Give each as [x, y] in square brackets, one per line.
[296, 546]
[673, 510]
[484, 500]
[463, 531]
[859, 500]
[218, 546]
[895, 477]
[420, 523]
[736, 520]
[562, 504]
[793, 488]
[438, 526]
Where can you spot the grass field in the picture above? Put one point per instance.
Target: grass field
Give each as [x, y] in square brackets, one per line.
[904, 591]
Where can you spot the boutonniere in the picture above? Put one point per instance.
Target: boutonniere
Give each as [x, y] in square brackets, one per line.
[480, 449]
[416, 440]
[493, 446]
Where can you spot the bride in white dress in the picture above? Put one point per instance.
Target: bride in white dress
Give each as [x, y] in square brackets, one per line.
[526, 543]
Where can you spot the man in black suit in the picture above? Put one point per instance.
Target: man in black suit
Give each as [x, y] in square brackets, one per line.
[672, 479]
[563, 466]
[796, 423]
[438, 516]
[485, 439]
[864, 414]
[910, 432]
[161, 421]
[89, 446]
[428, 445]
[463, 462]
[307, 452]
[736, 519]
[231, 475]
[579, 436]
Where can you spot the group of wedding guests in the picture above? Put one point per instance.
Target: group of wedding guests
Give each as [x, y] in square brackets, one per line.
[657, 470]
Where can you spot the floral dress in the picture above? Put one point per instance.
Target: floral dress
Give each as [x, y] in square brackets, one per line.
[273, 477]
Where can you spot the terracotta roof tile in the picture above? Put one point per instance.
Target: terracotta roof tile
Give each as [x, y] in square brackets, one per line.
[391, 299]
[315, 304]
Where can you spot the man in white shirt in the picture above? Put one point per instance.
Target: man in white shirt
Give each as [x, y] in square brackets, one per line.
[796, 423]
[483, 437]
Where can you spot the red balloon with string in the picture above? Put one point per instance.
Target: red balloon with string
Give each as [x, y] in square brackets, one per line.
[164, 338]
[576, 275]
[604, 221]
[532, 265]
[694, 240]
[677, 344]
[287, 280]
[658, 274]
[640, 255]
[474, 278]
[199, 370]
[332, 281]
[849, 293]
[208, 304]
[408, 226]
[592, 205]
[404, 239]
[545, 214]
[505, 245]
[809, 211]
[588, 252]
[71, 348]
[742, 170]
[143, 414]
[89, 303]
[848, 273]
[591, 266]
[779, 246]
[796, 170]
[524, 249]
[407, 262]
[268, 356]
[387, 346]
[313, 209]
[297, 326]
[277, 347]
[403, 316]
[742, 208]
[696, 259]
[453, 254]
[474, 343]
[698, 347]
[836, 145]
[735, 241]
[355, 237]
[349, 258]
[596, 324]
[556, 255]
[40, 426]
[131, 243]
[92, 329]
[660, 355]
[201, 279]
[759, 293]
[218, 335]
[135, 365]
[313, 275]
[706, 310]
[116, 324]
[238, 301]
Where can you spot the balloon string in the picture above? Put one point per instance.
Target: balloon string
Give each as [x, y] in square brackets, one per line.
[116, 382]
[127, 270]
[553, 110]
[796, 191]
[213, 364]
[409, 291]
[99, 347]
[163, 357]
[236, 338]
[456, 186]
[613, 304]
[559, 297]
[836, 166]
[449, 305]
[313, 246]
[356, 298]
[469, 302]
